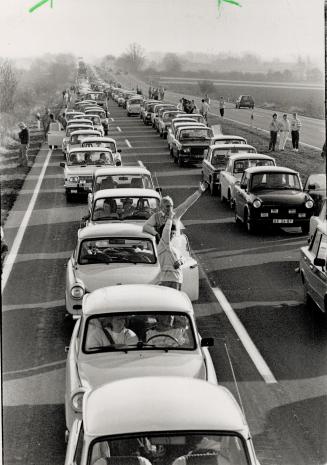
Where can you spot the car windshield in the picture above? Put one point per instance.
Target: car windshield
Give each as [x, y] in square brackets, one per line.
[242, 165]
[110, 181]
[116, 250]
[227, 141]
[134, 101]
[319, 180]
[96, 96]
[101, 113]
[77, 138]
[138, 331]
[172, 448]
[90, 158]
[219, 157]
[194, 133]
[198, 118]
[275, 181]
[71, 129]
[169, 116]
[106, 144]
[95, 119]
[124, 208]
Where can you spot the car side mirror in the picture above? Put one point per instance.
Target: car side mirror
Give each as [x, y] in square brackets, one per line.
[311, 187]
[119, 150]
[243, 185]
[159, 189]
[319, 262]
[207, 342]
[62, 164]
[118, 163]
[237, 183]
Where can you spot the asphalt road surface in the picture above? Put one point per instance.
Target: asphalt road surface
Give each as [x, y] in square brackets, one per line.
[283, 392]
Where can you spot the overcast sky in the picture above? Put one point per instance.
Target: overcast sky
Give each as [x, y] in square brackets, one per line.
[269, 28]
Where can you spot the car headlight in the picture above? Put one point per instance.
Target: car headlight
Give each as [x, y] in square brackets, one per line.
[77, 291]
[77, 400]
[257, 203]
[187, 150]
[309, 204]
[73, 179]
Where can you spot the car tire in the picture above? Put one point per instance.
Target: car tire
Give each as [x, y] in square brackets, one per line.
[160, 134]
[250, 227]
[180, 161]
[171, 152]
[305, 228]
[222, 198]
[68, 195]
[236, 218]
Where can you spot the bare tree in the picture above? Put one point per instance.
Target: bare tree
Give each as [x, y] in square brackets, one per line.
[8, 85]
[134, 57]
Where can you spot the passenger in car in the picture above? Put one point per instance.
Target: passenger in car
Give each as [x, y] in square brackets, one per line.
[108, 331]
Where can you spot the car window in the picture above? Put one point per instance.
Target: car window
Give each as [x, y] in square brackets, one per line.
[138, 331]
[242, 165]
[322, 250]
[111, 181]
[315, 243]
[97, 143]
[194, 133]
[90, 158]
[273, 180]
[124, 208]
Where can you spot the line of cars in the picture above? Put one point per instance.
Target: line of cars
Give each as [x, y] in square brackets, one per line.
[141, 387]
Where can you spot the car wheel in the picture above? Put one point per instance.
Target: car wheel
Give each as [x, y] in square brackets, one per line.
[248, 224]
[180, 161]
[222, 198]
[236, 218]
[68, 195]
[305, 228]
[213, 188]
[171, 152]
[160, 134]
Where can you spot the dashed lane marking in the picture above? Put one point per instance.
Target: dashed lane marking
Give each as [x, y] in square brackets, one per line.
[247, 342]
[127, 142]
[11, 257]
[118, 129]
[34, 305]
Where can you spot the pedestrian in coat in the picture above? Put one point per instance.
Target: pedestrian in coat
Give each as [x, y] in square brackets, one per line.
[222, 106]
[284, 130]
[38, 120]
[207, 99]
[46, 120]
[204, 109]
[295, 131]
[24, 138]
[273, 128]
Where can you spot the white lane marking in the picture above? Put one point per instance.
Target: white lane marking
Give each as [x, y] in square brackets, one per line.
[247, 342]
[118, 129]
[26, 257]
[112, 119]
[11, 257]
[127, 142]
[38, 367]
[36, 305]
[259, 303]
[264, 130]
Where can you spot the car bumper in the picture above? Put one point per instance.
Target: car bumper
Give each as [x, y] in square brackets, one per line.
[283, 222]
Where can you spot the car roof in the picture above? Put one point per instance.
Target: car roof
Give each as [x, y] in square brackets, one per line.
[127, 298]
[160, 404]
[86, 131]
[270, 169]
[241, 147]
[250, 156]
[80, 120]
[126, 192]
[112, 230]
[192, 126]
[90, 149]
[121, 170]
[227, 137]
[99, 139]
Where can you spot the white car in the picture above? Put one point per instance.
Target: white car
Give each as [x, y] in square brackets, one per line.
[134, 205]
[159, 420]
[164, 121]
[79, 168]
[120, 253]
[157, 337]
[316, 221]
[106, 142]
[234, 170]
[95, 119]
[71, 127]
[227, 139]
[172, 131]
[133, 105]
[76, 138]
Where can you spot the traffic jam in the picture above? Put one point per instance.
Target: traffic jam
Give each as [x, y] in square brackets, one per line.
[142, 380]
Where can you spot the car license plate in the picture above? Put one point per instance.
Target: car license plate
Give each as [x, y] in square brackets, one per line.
[282, 221]
[87, 187]
[73, 191]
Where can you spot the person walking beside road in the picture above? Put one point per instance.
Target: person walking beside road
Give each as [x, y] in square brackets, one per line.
[180, 105]
[193, 107]
[170, 260]
[284, 129]
[162, 93]
[204, 109]
[154, 224]
[273, 128]
[46, 120]
[38, 120]
[207, 99]
[24, 138]
[295, 132]
[222, 106]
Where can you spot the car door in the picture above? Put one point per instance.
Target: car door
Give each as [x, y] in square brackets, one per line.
[315, 276]
[190, 268]
[206, 165]
[241, 196]
[225, 179]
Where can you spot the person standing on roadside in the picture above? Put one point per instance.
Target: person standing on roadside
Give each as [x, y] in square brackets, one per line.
[193, 107]
[273, 128]
[24, 138]
[162, 93]
[204, 109]
[38, 120]
[284, 129]
[222, 106]
[180, 105]
[46, 120]
[207, 99]
[295, 131]
[150, 92]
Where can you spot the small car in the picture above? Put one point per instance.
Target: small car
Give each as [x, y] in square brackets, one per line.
[175, 125]
[76, 138]
[133, 105]
[157, 112]
[107, 142]
[313, 267]
[315, 186]
[315, 220]
[130, 204]
[55, 134]
[215, 161]
[71, 127]
[245, 101]
[144, 107]
[111, 254]
[227, 139]
[233, 172]
[272, 196]
[99, 97]
[190, 144]
[95, 119]
[79, 168]
[158, 334]
[165, 119]
[159, 420]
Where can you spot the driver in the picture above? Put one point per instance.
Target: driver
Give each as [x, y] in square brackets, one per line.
[164, 327]
[206, 447]
[128, 208]
[110, 331]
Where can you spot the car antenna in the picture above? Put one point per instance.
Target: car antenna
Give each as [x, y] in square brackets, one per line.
[234, 377]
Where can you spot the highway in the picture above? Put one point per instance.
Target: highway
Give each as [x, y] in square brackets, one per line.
[251, 302]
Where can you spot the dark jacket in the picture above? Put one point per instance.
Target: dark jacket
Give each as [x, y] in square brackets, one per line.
[24, 136]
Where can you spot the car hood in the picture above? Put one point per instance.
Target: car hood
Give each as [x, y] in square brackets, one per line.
[195, 142]
[79, 171]
[103, 368]
[281, 197]
[101, 275]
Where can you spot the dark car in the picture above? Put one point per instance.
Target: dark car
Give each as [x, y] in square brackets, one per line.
[190, 144]
[315, 186]
[272, 196]
[245, 101]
